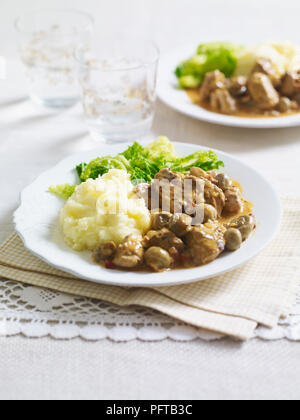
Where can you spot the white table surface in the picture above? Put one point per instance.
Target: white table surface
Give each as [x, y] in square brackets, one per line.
[32, 140]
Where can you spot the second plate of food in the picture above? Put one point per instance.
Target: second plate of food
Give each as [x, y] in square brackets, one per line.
[83, 235]
[241, 86]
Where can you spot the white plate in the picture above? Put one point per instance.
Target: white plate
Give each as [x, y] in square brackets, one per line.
[178, 99]
[36, 222]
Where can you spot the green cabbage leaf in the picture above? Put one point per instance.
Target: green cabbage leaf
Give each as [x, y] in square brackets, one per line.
[142, 163]
[212, 56]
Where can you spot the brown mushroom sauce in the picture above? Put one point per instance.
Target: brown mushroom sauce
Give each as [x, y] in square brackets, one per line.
[176, 240]
[263, 94]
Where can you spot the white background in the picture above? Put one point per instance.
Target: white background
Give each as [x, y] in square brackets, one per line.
[32, 141]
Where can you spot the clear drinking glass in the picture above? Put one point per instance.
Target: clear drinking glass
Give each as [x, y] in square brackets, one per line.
[118, 84]
[48, 39]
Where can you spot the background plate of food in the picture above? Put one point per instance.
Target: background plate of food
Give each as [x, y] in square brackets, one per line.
[94, 222]
[254, 86]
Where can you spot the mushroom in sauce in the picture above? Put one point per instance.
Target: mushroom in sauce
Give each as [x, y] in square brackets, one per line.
[245, 224]
[158, 259]
[233, 239]
[130, 253]
[224, 182]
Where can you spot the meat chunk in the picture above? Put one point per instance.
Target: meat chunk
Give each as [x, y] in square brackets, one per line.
[167, 191]
[222, 101]
[193, 191]
[238, 86]
[174, 192]
[213, 80]
[286, 105]
[180, 224]
[264, 65]
[104, 252]
[290, 84]
[223, 180]
[130, 253]
[200, 173]
[262, 91]
[177, 194]
[205, 244]
[163, 238]
[158, 259]
[233, 239]
[214, 196]
[161, 220]
[234, 200]
[143, 191]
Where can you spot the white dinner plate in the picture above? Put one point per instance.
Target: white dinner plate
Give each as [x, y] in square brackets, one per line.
[36, 222]
[176, 98]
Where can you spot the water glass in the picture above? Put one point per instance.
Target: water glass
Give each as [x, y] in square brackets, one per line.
[48, 39]
[118, 85]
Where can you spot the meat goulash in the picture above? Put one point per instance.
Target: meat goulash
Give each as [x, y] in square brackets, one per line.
[256, 81]
[260, 95]
[177, 240]
[147, 209]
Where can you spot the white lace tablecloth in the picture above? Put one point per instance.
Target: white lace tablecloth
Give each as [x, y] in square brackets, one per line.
[36, 312]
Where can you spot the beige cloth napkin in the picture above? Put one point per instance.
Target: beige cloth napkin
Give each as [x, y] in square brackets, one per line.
[260, 292]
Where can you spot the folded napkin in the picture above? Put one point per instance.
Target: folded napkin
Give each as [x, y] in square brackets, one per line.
[260, 292]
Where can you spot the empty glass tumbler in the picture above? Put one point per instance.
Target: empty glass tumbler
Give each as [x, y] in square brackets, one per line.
[48, 39]
[118, 84]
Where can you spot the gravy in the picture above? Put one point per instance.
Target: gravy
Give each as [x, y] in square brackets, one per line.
[244, 110]
[224, 219]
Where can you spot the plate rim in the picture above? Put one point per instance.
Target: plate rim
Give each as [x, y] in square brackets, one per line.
[148, 284]
[202, 114]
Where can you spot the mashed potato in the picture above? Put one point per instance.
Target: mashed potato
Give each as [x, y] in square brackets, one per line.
[101, 210]
[284, 56]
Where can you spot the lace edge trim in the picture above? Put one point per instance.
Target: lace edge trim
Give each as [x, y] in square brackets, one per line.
[127, 333]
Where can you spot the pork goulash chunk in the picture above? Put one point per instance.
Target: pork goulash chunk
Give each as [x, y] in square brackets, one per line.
[130, 253]
[205, 244]
[222, 101]
[214, 80]
[238, 86]
[262, 91]
[234, 200]
[264, 65]
[290, 84]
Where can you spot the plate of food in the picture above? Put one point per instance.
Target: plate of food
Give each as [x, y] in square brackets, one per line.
[254, 86]
[147, 215]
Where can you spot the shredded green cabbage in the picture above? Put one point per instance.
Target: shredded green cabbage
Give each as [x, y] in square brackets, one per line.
[64, 191]
[212, 56]
[142, 163]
